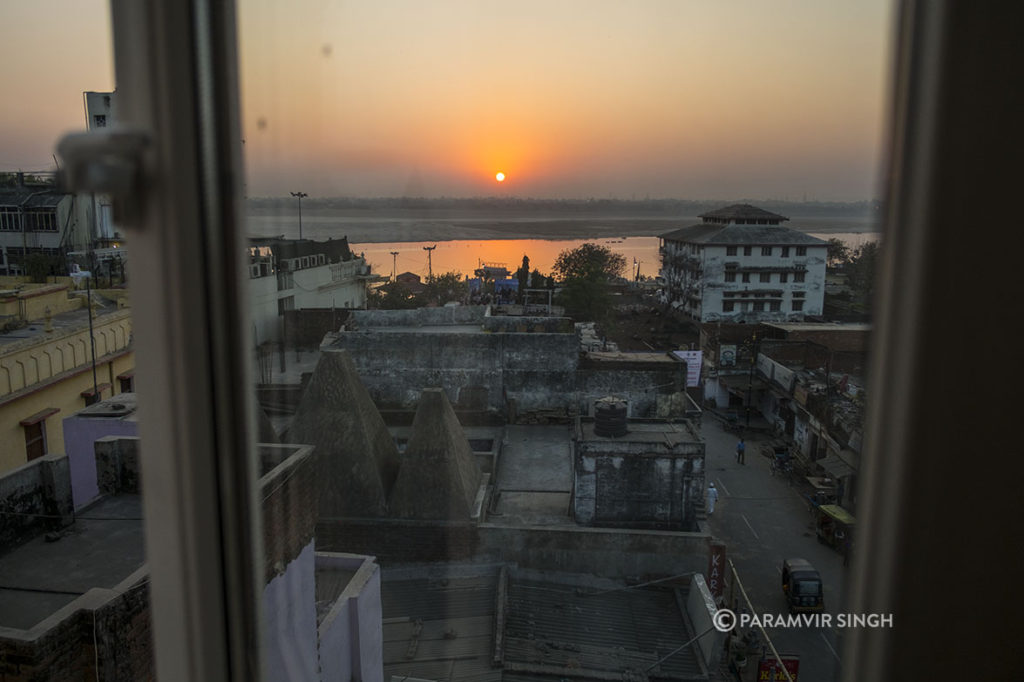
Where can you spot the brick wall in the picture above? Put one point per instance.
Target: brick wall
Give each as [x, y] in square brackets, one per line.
[290, 493]
[105, 635]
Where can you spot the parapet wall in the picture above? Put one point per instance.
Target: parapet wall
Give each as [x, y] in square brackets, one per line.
[534, 369]
[418, 317]
[34, 498]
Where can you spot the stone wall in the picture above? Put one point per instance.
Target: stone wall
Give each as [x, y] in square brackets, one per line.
[104, 635]
[117, 465]
[533, 369]
[34, 498]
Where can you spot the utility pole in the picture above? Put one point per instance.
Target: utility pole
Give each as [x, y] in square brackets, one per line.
[394, 264]
[300, 196]
[430, 268]
[750, 379]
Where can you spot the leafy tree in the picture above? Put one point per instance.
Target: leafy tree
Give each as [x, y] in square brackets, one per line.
[838, 253]
[585, 273]
[393, 296]
[861, 269]
[446, 287]
[39, 266]
[589, 261]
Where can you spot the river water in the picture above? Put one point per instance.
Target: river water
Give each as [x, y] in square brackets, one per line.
[465, 255]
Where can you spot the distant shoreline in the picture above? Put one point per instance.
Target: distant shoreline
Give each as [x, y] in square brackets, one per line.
[384, 226]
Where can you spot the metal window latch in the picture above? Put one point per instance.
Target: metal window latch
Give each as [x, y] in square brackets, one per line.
[107, 161]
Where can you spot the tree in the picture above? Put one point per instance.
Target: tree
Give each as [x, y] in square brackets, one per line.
[585, 273]
[860, 270]
[446, 287]
[589, 262]
[392, 296]
[838, 253]
[523, 275]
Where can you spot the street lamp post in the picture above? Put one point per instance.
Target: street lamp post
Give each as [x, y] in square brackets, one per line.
[750, 378]
[300, 196]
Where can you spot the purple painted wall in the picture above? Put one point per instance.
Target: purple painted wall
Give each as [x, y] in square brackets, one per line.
[289, 622]
[351, 634]
[80, 434]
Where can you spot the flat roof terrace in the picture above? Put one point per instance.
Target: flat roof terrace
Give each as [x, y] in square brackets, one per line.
[101, 549]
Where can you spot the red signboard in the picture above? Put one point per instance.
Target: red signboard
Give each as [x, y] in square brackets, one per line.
[716, 569]
[768, 669]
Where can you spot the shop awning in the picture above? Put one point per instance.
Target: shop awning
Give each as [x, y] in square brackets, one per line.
[836, 467]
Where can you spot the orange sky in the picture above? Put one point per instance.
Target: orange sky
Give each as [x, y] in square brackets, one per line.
[679, 98]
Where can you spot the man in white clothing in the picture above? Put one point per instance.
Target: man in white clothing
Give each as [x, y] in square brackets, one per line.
[712, 498]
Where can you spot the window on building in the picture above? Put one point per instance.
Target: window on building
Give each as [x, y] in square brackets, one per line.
[758, 306]
[35, 433]
[728, 306]
[775, 306]
[41, 220]
[798, 306]
[766, 277]
[747, 250]
[785, 252]
[783, 277]
[99, 121]
[746, 277]
[126, 381]
[801, 250]
[9, 219]
[799, 294]
[730, 277]
[766, 250]
[286, 303]
[730, 251]
[798, 277]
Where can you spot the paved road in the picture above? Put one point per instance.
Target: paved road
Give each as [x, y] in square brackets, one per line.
[763, 520]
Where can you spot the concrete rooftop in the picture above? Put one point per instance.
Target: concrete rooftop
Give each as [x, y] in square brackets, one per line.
[103, 547]
[661, 433]
[440, 623]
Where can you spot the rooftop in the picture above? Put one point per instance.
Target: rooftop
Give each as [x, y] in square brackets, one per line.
[62, 322]
[733, 234]
[445, 624]
[742, 212]
[102, 548]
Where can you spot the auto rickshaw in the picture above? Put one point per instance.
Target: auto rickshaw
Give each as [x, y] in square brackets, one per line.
[801, 585]
[834, 526]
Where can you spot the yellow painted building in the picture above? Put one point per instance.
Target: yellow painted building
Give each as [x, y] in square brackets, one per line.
[46, 367]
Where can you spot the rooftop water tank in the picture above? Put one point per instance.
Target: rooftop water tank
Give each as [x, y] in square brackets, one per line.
[610, 417]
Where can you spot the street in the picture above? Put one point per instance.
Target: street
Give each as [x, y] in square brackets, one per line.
[763, 520]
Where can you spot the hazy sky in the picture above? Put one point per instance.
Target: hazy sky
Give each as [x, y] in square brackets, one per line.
[691, 99]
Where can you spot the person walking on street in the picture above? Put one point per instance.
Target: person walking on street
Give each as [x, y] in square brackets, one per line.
[712, 498]
[741, 450]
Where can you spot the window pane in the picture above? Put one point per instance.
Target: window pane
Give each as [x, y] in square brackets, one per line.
[476, 282]
[70, 486]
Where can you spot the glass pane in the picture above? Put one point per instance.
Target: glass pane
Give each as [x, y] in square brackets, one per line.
[493, 284]
[72, 552]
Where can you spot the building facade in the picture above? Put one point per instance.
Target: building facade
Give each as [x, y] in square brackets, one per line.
[296, 274]
[741, 265]
[46, 365]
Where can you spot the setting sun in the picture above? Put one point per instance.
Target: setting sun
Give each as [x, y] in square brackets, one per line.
[500, 177]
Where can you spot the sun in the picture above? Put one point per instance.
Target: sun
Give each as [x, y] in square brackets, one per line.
[500, 177]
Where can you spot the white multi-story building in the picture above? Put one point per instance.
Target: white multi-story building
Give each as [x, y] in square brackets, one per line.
[741, 265]
[297, 274]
